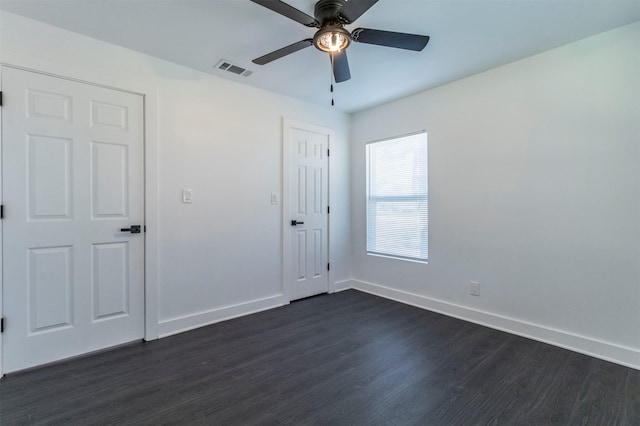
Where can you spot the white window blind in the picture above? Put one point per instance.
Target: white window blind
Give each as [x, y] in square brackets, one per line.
[397, 197]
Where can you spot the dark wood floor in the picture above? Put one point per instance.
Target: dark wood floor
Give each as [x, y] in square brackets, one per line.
[346, 358]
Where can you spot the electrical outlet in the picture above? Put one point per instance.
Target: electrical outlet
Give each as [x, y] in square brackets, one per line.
[474, 288]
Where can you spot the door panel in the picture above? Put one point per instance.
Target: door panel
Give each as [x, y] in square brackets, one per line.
[301, 254]
[308, 183]
[49, 177]
[49, 302]
[109, 178]
[110, 280]
[72, 162]
[48, 105]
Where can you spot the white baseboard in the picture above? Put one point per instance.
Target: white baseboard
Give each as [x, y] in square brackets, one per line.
[626, 356]
[201, 319]
[340, 286]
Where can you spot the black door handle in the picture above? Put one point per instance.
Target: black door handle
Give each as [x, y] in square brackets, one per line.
[135, 229]
[295, 222]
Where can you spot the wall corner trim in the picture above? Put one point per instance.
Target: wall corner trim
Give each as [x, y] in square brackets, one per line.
[626, 356]
[337, 286]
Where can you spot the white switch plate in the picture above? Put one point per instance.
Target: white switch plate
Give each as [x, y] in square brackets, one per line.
[274, 199]
[474, 288]
[187, 196]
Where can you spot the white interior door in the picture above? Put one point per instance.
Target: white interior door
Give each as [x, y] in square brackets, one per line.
[307, 164]
[72, 164]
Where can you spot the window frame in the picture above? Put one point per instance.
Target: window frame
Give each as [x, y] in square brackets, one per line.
[421, 197]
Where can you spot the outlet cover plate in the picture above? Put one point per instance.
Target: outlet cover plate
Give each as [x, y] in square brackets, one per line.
[474, 288]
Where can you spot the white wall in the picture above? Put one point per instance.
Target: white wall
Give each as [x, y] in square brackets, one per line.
[534, 192]
[220, 256]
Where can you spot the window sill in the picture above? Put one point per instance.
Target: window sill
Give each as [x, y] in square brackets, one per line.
[406, 259]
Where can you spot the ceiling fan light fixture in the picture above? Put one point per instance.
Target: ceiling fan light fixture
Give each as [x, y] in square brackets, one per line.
[332, 39]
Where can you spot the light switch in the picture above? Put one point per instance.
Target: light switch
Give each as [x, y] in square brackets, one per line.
[186, 196]
[274, 199]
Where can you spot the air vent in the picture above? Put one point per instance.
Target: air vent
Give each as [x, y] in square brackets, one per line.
[233, 68]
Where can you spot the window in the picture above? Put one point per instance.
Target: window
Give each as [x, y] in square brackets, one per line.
[397, 197]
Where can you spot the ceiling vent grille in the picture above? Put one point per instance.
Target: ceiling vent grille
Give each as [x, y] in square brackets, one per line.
[232, 68]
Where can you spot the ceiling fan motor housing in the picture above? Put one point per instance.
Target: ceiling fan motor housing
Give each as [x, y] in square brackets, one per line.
[327, 12]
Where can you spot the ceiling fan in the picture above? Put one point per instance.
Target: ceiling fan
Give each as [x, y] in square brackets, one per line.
[330, 16]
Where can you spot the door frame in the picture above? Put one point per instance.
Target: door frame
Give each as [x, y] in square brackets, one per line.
[287, 125]
[149, 95]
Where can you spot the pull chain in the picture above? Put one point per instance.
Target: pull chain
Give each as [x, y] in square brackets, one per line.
[331, 87]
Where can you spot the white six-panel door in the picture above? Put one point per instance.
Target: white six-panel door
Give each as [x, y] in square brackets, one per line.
[72, 164]
[308, 167]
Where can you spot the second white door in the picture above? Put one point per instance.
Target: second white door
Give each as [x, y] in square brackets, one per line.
[307, 167]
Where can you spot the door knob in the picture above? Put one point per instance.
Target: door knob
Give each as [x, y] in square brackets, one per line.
[135, 229]
[295, 222]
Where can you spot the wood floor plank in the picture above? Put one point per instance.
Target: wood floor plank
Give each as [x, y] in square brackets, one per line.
[342, 359]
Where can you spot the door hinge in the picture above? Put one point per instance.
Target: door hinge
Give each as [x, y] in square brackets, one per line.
[328, 153]
[0, 98]
[2, 325]
[328, 209]
[1, 211]
[328, 266]
[145, 228]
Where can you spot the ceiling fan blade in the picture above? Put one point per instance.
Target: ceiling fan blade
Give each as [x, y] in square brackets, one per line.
[353, 9]
[289, 11]
[390, 39]
[341, 66]
[287, 50]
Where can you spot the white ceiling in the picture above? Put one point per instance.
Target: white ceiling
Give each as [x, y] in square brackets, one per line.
[467, 37]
